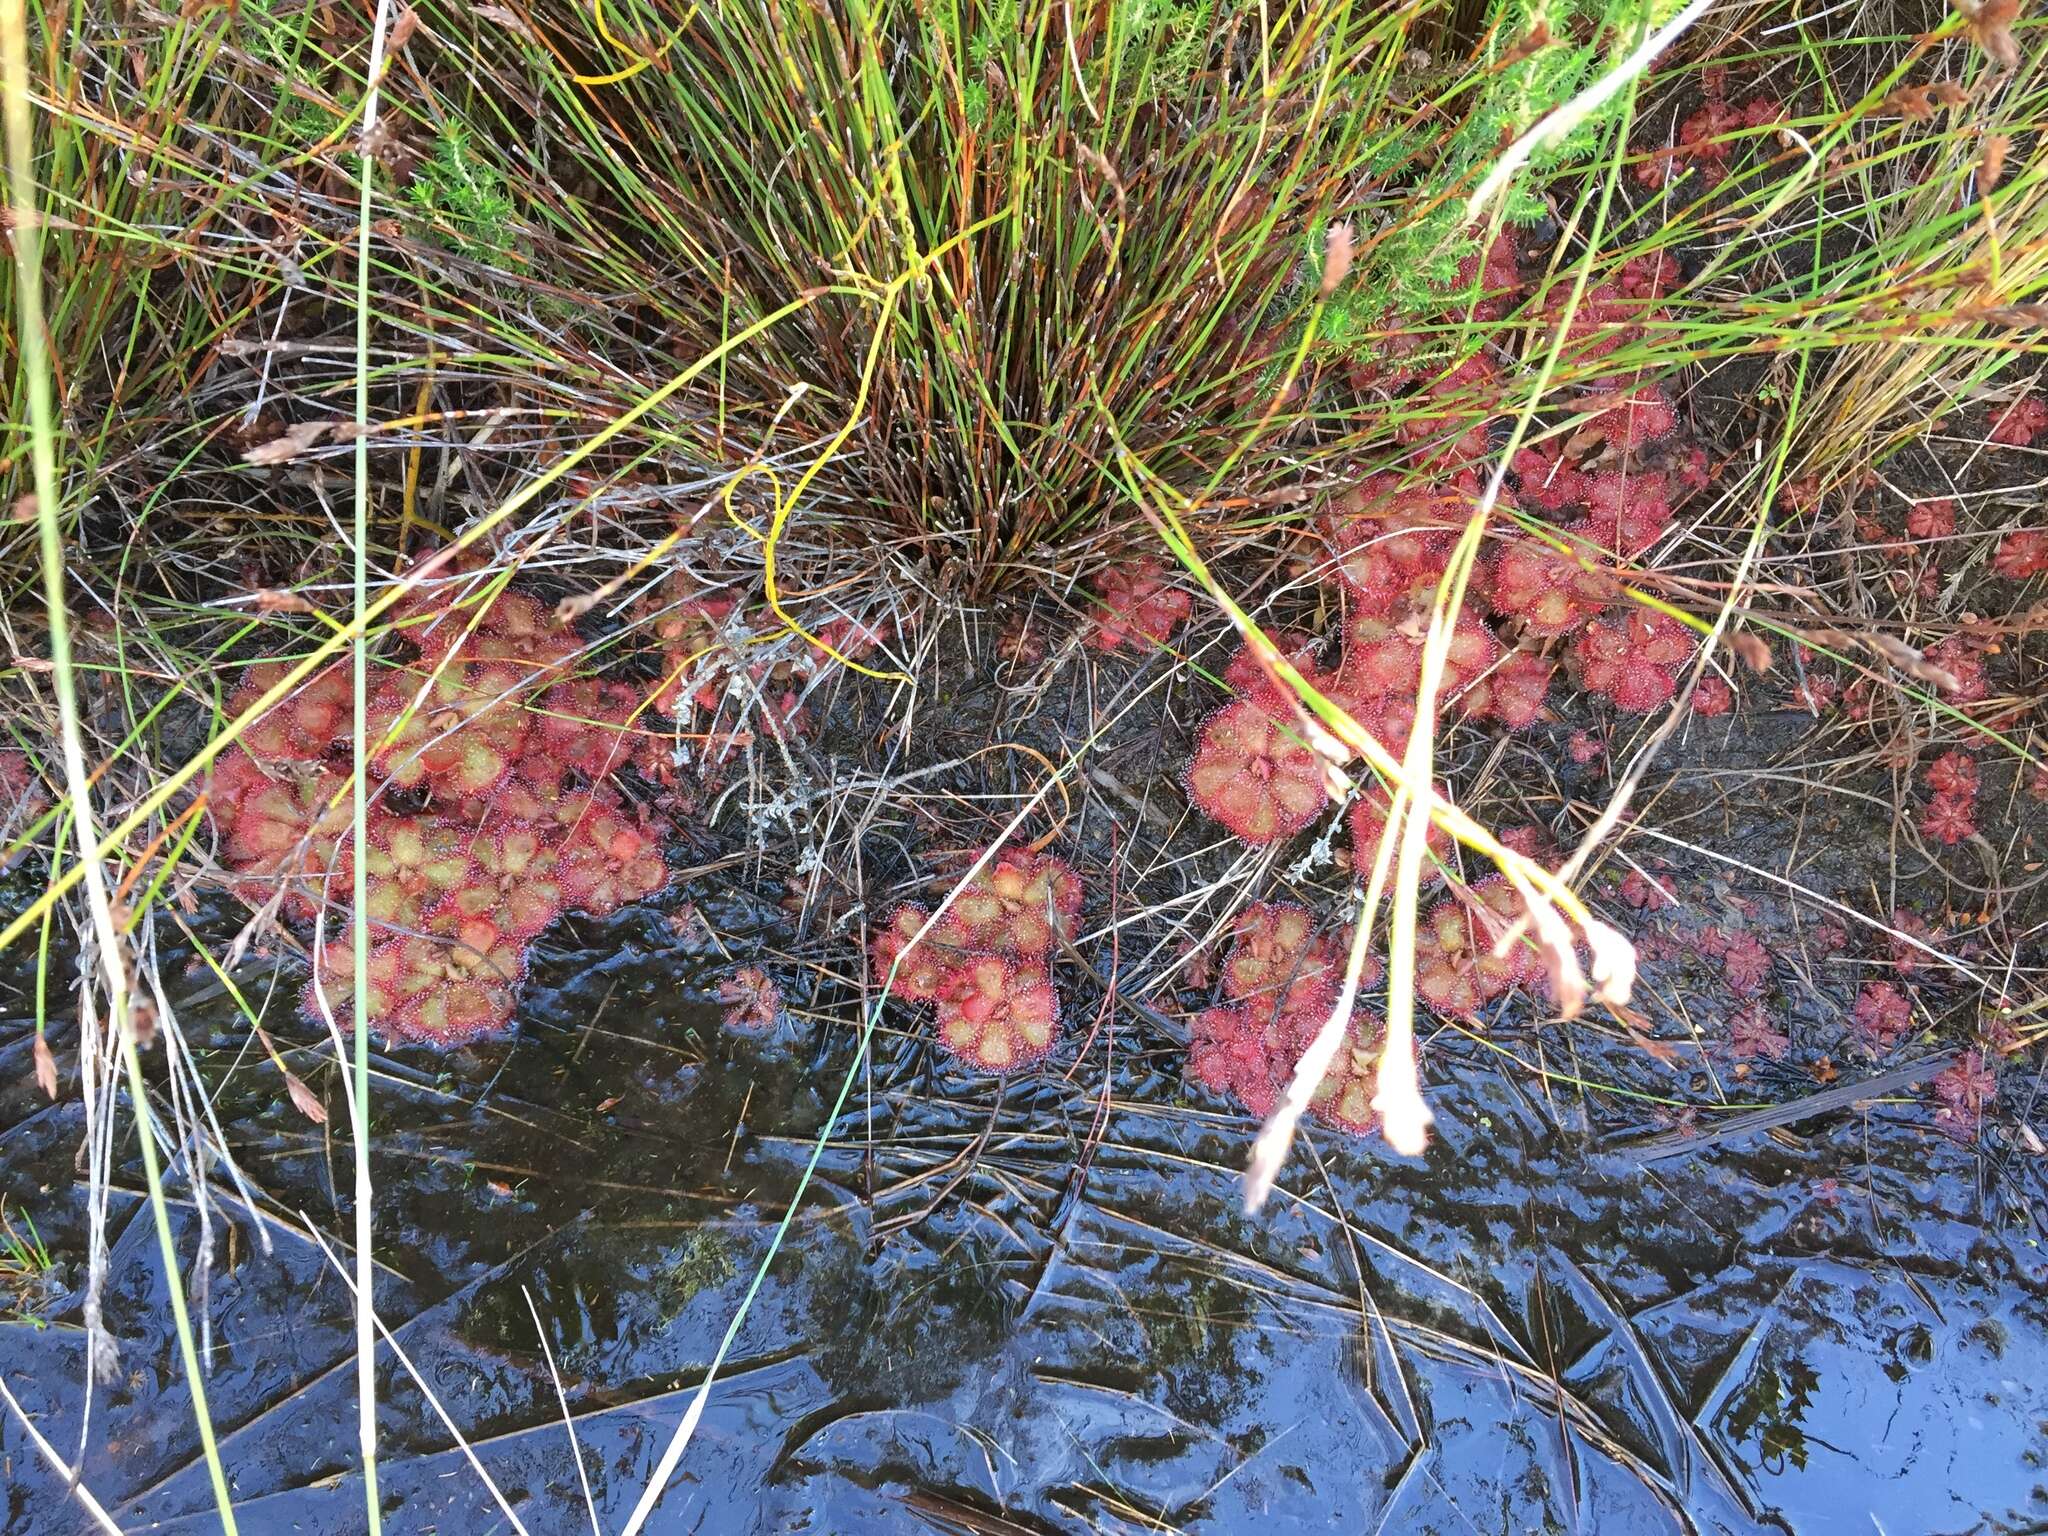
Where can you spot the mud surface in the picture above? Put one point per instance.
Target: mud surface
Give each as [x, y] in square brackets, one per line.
[1037, 1307]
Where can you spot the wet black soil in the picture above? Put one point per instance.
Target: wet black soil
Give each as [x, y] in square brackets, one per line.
[1035, 1305]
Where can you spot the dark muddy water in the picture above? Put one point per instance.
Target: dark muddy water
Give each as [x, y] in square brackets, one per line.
[978, 1325]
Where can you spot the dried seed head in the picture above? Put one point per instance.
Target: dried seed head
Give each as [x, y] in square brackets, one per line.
[1337, 253]
[1991, 170]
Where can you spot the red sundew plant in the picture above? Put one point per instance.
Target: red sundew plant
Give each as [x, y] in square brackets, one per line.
[1239, 1052]
[1963, 1088]
[1754, 1034]
[1282, 978]
[515, 882]
[1547, 482]
[1647, 892]
[1243, 674]
[998, 1013]
[1946, 819]
[1954, 773]
[1931, 519]
[1254, 774]
[985, 962]
[607, 859]
[287, 833]
[753, 1002]
[1456, 971]
[477, 843]
[1381, 658]
[1367, 819]
[1713, 696]
[2022, 555]
[1389, 541]
[2021, 422]
[1705, 141]
[1908, 925]
[1745, 963]
[1883, 1015]
[1344, 1098]
[414, 862]
[1643, 416]
[1279, 961]
[1011, 905]
[923, 968]
[1633, 656]
[1513, 691]
[1140, 608]
[1551, 593]
[1248, 1053]
[307, 725]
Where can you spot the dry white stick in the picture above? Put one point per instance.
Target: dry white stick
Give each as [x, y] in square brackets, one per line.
[418, 1380]
[568, 1420]
[1554, 125]
[92, 1505]
[1276, 1136]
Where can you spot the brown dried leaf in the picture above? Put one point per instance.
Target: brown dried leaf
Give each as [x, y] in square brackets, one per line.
[1534, 41]
[1755, 654]
[1657, 1050]
[1912, 662]
[46, 1068]
[304, 1100]
[295, 440]
[511, 21]
[1908, 101]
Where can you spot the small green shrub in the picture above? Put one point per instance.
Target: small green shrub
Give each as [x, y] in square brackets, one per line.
[462, 197]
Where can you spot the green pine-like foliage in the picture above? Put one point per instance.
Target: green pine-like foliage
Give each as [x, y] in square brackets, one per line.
[462, 197]
[1416, 266]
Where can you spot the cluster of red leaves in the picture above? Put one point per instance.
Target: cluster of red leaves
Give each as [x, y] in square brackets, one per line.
[1456, 969]
[986, 962]
[1962, 1089]
[1139, 608]
[1253, 772]
[1281, 978]
[490, 815]
[1633, 656]
[752, 1001]
[2021, 554]
[1389, 543]
[2021, 422]
[1706, 138]
[1883, 1015]
[1949, 815]
[1752, 1033]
